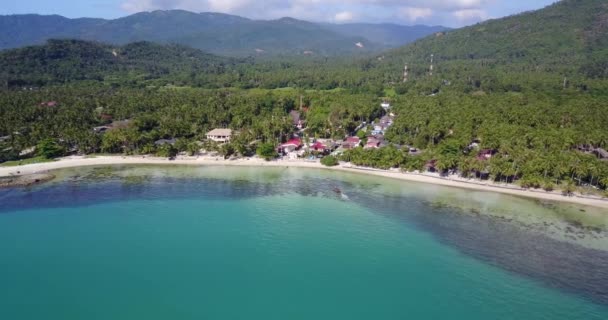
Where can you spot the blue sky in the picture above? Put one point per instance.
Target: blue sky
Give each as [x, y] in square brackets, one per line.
[453, 13]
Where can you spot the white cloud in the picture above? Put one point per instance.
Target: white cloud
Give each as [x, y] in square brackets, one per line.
[227, 5]
[449, 12]
[470, 15]
[344, 16]
[415, 14]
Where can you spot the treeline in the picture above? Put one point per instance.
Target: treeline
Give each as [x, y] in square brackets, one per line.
[564, 171]
[68, 115]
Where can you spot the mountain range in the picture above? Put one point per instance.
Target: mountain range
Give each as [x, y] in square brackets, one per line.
[563, 43]
[216, 33]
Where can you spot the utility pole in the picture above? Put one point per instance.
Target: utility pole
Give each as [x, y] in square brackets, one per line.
[565, 82]
[405, 74]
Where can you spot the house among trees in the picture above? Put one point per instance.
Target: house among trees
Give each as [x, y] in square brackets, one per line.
[296, 118]
[323, 146]
[385, 105]
[220, 135]
[351, 143]
[163, 142]
[113, 126]
[601, 153]
[374, 142]
[382, 125]
[290, 146]
[49, 104]
[590, 149]
[486, 154]
[431, 165]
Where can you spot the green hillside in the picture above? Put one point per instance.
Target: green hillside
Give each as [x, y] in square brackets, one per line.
[69, 61]
[568, 38]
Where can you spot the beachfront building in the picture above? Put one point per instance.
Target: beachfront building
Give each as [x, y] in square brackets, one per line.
[219, 135]
[321, 147]
[290, 146]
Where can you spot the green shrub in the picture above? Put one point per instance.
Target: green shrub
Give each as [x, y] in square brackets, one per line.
[166, 151]
[329, 161]
[548, 186]
[49, 149]
[266, 151]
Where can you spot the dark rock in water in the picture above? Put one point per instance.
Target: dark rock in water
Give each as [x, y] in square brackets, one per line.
[25, 180]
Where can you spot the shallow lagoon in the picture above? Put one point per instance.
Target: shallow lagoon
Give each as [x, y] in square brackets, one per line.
[274, 243]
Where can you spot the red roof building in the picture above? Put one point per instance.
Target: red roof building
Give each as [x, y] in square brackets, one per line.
[351, 142]
[319, 147]
[291, 145]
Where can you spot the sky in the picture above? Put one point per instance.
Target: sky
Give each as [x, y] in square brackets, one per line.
[451, 13]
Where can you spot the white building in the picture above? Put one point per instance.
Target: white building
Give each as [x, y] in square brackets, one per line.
[385, 105]
[219, 135]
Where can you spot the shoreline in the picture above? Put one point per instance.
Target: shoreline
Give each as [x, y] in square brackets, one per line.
[470, 184]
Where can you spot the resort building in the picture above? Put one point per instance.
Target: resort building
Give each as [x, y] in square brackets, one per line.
[290, 146]
[323, 146]
[219, 135]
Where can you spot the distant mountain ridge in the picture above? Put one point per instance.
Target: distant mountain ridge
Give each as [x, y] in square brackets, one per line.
[216, 33]
[388, 34]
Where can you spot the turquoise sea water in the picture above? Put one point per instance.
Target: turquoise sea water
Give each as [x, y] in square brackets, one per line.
[152, 243]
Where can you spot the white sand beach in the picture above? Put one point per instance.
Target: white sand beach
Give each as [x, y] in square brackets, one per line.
[452, 181]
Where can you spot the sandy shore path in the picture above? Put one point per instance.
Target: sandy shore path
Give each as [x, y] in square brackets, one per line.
[72, 162]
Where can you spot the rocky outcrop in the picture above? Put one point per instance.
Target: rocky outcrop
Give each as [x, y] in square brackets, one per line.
[25, 180]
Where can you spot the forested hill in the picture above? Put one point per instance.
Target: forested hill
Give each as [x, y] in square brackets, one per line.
[569, 37]
[212, 32]
[68, 61]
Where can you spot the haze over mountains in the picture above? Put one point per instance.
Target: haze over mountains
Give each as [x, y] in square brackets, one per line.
[216, 33]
